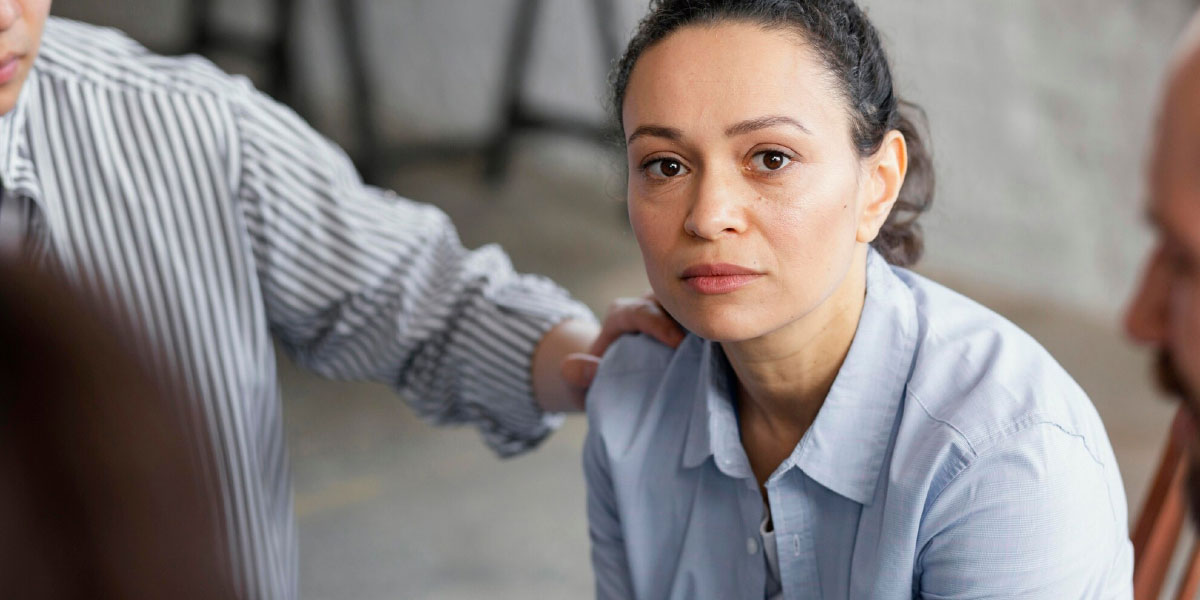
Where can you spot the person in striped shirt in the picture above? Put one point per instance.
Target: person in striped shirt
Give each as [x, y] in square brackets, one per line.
[211, 220]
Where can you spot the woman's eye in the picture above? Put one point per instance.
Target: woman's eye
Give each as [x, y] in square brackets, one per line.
[665, 168]
[771, 160]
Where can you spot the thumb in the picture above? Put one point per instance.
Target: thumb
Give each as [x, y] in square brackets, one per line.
[579, 369]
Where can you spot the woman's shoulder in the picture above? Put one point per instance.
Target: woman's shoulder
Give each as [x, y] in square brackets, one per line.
[637, 353]
[641, 379]
[984, 378]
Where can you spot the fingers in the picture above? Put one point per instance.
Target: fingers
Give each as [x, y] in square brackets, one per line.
[637, 315]
[579, 370]
[652, 320]
[617, 322]
[625, 315]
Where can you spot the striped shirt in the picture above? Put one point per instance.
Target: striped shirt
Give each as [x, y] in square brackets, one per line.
[13, 215]
[10, 236]
[212, 218]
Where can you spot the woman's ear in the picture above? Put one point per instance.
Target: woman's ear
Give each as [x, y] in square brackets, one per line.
[885, 176]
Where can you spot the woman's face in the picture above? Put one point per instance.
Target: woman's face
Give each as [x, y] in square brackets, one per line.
[746, 195]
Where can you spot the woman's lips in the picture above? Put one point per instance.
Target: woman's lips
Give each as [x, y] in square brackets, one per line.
[8, 68]
[718, 278]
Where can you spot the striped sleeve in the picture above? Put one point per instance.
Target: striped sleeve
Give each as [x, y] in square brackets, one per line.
[362, 284]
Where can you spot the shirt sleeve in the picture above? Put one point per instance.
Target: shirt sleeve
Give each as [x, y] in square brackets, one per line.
[609, 562]
[360, 283]
[1036, 519]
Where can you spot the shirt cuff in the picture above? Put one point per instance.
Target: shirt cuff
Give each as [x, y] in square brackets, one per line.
[508, 328]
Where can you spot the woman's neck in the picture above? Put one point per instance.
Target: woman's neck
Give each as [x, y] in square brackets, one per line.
[784, 376]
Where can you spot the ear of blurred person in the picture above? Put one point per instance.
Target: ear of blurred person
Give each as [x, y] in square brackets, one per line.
[105, 494]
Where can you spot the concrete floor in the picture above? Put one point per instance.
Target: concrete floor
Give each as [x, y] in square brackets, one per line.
[389, 507]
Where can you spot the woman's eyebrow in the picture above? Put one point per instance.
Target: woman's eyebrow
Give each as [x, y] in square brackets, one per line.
[763, 123]
[669, 133]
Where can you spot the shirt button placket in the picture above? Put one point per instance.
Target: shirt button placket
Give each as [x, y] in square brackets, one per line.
[752, 568]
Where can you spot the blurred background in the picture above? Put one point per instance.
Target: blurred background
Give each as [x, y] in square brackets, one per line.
[494, 111]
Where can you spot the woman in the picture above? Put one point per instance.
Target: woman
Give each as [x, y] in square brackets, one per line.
[834, 426]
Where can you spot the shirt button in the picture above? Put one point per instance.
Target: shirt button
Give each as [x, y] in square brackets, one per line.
[751, 546]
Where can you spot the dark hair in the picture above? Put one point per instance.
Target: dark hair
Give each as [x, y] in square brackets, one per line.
[849, 45]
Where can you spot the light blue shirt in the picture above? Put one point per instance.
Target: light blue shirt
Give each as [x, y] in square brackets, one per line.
[953, 458]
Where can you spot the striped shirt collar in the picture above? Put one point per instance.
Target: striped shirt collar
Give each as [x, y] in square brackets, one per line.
[12, 135]
[862, 404]
[20, 175]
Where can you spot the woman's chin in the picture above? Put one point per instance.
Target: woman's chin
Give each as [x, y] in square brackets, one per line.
[725, 330]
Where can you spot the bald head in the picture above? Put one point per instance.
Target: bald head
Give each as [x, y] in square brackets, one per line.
[1174, 166]
[1184, 68]
[1165, 312]
[1188, 44]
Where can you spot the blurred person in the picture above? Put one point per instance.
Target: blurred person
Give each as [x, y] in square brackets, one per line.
[212, 219]
[1165, 311]
[834, 426]
[104, 496]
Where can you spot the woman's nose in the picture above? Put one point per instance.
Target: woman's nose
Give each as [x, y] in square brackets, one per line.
[717, 209]
[1146, 318]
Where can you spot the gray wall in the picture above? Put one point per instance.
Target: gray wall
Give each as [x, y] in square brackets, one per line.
[1039, 109]
[1040, 113]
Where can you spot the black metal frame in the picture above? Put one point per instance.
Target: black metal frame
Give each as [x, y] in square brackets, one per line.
[371, 155]
[517, 116]
[274, 51]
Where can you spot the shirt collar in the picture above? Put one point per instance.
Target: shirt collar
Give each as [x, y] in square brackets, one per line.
[12, 136]
[713, 428]
[846, 445]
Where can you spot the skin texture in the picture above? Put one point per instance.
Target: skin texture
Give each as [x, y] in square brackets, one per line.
[21, 24]
[739, 152]
[1165, 311]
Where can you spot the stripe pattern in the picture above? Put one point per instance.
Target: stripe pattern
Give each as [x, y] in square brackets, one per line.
[212, 219]
[11, 235]
[14, 212]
